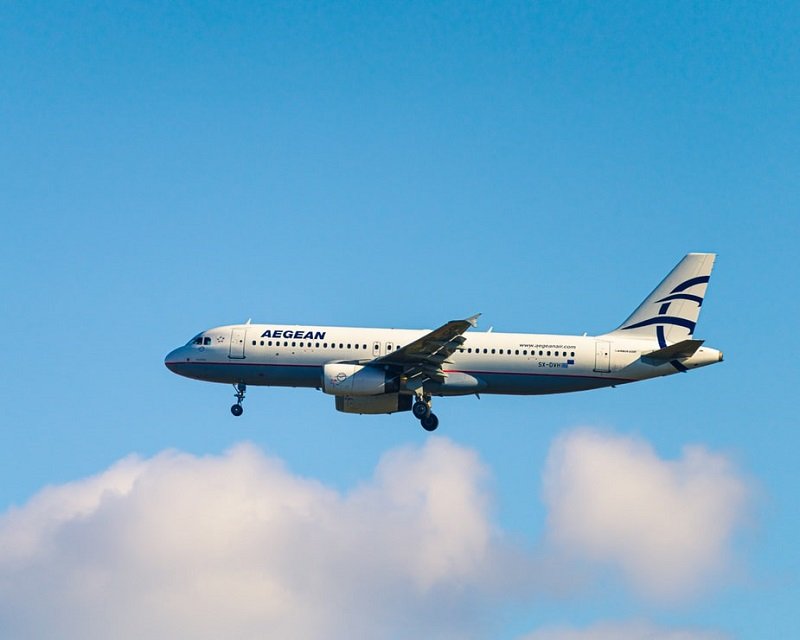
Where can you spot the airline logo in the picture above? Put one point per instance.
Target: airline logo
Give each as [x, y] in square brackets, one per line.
[297, 334]
[676, 294]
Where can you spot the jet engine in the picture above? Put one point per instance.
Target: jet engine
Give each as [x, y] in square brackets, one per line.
[340, 379]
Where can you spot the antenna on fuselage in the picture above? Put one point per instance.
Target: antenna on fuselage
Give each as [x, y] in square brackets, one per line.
[248, 321]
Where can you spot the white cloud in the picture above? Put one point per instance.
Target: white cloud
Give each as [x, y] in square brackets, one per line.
[632, 630]
[667, 525]
[238, 546]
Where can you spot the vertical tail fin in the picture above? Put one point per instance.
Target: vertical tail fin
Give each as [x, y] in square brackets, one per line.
[669, 314]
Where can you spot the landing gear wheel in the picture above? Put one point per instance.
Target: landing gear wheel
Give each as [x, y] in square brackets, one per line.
[430, 422]
[420, 410]
[237, 409]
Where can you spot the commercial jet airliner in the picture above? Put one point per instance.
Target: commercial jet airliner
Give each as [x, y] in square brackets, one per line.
[390, 370]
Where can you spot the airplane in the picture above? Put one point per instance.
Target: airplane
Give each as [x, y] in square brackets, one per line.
[375, 371]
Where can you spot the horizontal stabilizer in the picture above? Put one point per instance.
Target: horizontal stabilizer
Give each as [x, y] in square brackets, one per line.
[682, 349]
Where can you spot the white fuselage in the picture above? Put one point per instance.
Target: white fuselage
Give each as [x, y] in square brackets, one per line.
[487, 362]
[389, 370]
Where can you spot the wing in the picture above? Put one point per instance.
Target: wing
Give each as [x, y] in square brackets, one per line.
[422, 359]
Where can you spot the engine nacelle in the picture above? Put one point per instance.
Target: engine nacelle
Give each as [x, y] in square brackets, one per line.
[356, 380]
[387, 403]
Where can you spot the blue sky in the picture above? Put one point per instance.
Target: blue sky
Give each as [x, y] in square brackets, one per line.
[167, 167]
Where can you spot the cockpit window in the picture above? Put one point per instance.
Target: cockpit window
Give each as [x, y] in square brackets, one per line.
[206, 340]
[200, 340]
[197, 340]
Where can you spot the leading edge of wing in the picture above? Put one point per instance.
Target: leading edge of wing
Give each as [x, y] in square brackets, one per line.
[432, 348]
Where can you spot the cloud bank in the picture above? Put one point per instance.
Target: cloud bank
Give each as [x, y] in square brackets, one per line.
[667, 525]
[237, 545]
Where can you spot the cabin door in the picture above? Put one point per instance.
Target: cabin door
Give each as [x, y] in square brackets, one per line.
[602, 356]
[237, 343]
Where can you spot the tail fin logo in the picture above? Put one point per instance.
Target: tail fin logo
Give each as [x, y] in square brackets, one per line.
[663, 318]
[676, 294]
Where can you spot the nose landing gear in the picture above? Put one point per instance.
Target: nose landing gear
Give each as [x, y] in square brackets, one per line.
[422, 411]
[237, 409]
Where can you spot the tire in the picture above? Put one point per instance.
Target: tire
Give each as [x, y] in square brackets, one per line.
[237, 410]
[420, 410]
[430, 422]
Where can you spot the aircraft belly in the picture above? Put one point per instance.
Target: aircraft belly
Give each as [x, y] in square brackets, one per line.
[541, 384]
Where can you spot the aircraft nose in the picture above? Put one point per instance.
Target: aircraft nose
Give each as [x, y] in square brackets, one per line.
[172, 359]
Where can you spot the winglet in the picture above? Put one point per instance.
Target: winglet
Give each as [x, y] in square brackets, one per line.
[473, 320]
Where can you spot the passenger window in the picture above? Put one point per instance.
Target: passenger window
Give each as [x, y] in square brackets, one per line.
[516, 353]
[492, 350]
[269, 344]
[548, 353]
[285, 344]
[572, 353]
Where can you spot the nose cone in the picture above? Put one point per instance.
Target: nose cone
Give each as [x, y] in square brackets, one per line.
[173, 359]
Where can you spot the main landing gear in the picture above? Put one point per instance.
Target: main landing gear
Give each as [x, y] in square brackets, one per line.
[422, 412]
[237, 409]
